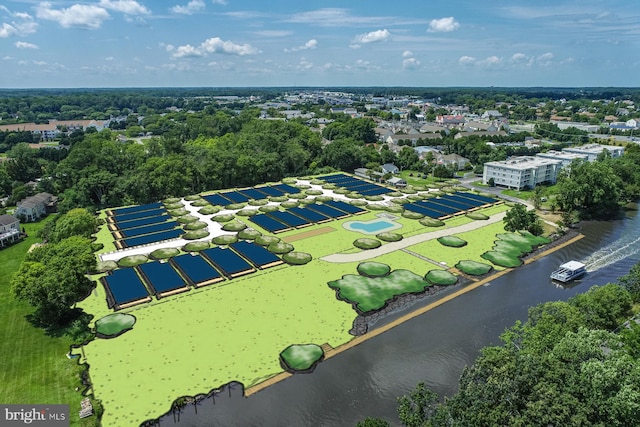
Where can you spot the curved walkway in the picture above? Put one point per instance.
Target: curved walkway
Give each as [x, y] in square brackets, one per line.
[413, 240]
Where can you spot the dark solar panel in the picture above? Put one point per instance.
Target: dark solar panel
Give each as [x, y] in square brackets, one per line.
[125, 286]
[465, 201]
[268, 223]
[422, 210]
[258, 255]
[379, 190]
[309, 214]
[270, 191]
[345, 207]
[227, 261]
[196, 268]
[287, 188]
[476, 197]
[437, 207]
[139, 214]
[147, 229]
[235, 197]
[162, 276]
[327, 210]
[288, 218]
[252, 193]
[452, 203]
[217, 200]
[152, 238]
[124, 225]
[131, 209]
[334, 178]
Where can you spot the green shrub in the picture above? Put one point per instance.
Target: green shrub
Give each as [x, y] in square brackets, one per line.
[209, 210]
[234, 226]
[266, 240]
[316, 182]
[402, 201]
[395, 194]
[473, 268]
[452, 241]
[235, 206]
[247, 212]
[174, 206]
[186, 219]
[199, 203]
[249, 234]
[415, 197]
[314, 192]
[395, 209]
[260, 202]
[376, 207]
[441, 278]
[366, 243]
[171, 200]
[301, 357]
[192, 197]
[223, 217]
[196, 246]
[289, 204]
[278, 199]
[373, 269]
[198, 225]
[269, 208]
[225, 239]
[296, 258]
[376, 198]
[178, 212]
[431, 222]
[329, 186]
[389, 236]
[354, 195]
[104, 266]
[412, 215]
[341, 191]
[477, 216]
[132, 260]
[114, 324]
[502, 259]
[323, 199]
[359, 203]
[280, 247]
[164, 253]
[196, 234]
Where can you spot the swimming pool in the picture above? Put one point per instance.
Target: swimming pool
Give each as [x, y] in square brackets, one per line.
[373, 226]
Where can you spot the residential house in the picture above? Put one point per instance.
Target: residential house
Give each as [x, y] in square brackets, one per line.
[9, 230]
[36, 206]
[491, 114]
[455, 160]
[390, 168]
[633, 123]
[397, 182]
[450, 120]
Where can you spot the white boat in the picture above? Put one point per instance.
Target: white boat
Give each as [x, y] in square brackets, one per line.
[569, 271]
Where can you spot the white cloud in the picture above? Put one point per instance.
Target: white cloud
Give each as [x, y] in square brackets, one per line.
[128, 7]
[519, 57]
[22, 15]
[27, 27]
[212, 45]
[25, 45]
[78, 15]
[109, 58]
[7, 58]
[220, 2]
[545, 58]
[366, 65]
[443, 25]
[192, 7]
[311, 44]
[410, 64]
[490, 62]
[273, 33]
[372, 37]
[7, 30]
[304, 65]
[467, 60]
[407, 54]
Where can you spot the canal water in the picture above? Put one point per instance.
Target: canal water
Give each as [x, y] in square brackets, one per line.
[365, 381]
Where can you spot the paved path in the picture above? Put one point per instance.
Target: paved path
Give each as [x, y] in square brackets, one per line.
[413, 240]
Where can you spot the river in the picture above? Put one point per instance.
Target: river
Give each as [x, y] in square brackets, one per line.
[434, 347]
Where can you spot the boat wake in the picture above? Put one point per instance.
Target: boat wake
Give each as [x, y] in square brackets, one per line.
[612, 253]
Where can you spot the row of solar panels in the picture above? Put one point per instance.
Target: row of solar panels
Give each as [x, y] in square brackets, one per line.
[124, 286]
[278, 221]
[448, 204]
[356, 185]
[256, 193]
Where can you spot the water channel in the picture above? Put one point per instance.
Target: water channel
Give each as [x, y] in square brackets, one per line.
[434, 347]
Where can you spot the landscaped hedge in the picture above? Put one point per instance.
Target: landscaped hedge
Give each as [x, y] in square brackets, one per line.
[408, 190]
[268, 208]
[502, 259]
[132, 260]
[164, 253]
[376, 198]
[354, 195]
[322, 199]
[266, 240]
[104, 266]
[209, 210]
[298, 196]
[395, 194]
[192, 197]
[234, 226]
[196, 234]
[366, 243]
[431, 222]
[299, 358]
[199, 203]
[373, 269]
[313, 192]
[358, 203]
[278, 199]
[308, 201]
[186, 219]
[402, 201]
[289, 204]
[249, 234]
[247, 212]
[171, 200]
[297, 258]
[473, 268]
[223, 217]
[477, 216]
[341, 191]
[316, 181]
[415, 197]
[412, 215]
[225, 239]
[398, 209]
[235, 206]
[329, 186]
[289, 180]
[178, 212]
[260, 202]
[388, 236]
[441, 277]
[376, 207]
[174, 206]
[280, 247]
[113, 325]
[198, 225]
[452, 241]
[196, 246]
[302, 186]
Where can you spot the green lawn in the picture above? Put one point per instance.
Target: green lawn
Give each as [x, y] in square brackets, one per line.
[35, 369]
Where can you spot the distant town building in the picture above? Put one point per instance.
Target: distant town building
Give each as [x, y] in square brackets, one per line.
[592, 151]
[450, 120]
[397, 182]
[9, 230]
[36, 206]
[565, 157]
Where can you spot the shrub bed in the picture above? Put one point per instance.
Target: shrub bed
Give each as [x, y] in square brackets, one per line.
[247, 212]
[192, 197]
[235, 206]
[388, 236]
[280, 247]
[289, 180]
[164, 253]
[302, 186]
[502, 259]
[278, 199]
[289, 204]
[477, 216]
[452, 241]
[431, 222]
[341, 191]
[198, 225]
[196, 234]
[301, 357]
[373, 269]
[174, 206]
[186, 219]
[199, 203]
[323, 199]
[415, 197]
[402, 201]
[307, 201]
[408, 190]
[376, 198]
[297, 258]
[473, 268]
[209, 210]
[178, 212]
[376, 207]
[316, 181]
[112, 325]
[313, 192]
[266, 240]
[195, 246]
[395, 194]
[441, 277]
[225, 239]
[249, 234]
[354, 195]
[329, 186]
[234, 226]
[104, 266]
[298, 196]
[132, 260]
[268, 208]
[358, 203]
[171, 200]
[366, 243]
[223, 217]
[412, 215]
[260, 202]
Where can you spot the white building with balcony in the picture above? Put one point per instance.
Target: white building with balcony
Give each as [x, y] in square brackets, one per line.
[522, 172]
[592, 151]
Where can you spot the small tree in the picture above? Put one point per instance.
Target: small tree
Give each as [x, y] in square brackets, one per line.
[518, 218]
[491, 182]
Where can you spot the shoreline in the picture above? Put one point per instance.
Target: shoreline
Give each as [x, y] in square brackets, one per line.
[557, 244]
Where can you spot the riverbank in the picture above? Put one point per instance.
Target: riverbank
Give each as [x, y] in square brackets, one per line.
[563, 241]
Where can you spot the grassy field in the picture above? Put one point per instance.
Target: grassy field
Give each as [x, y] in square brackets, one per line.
[34, 367]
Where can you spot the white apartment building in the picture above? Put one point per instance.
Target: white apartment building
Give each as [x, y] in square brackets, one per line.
[563, 156]
[593, 150]
[522, 172]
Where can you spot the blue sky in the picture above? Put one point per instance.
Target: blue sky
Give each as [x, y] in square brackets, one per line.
[129, 43]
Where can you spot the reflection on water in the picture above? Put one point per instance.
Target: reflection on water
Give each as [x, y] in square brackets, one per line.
[434, 347]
